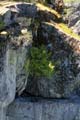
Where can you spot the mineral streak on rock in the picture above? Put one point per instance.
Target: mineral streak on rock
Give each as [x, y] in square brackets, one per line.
[45, 8]
[72, 39]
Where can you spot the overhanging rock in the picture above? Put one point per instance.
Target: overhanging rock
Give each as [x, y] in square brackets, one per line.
[65, 48]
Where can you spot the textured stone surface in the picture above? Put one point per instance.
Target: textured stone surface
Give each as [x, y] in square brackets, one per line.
[74, 20]
[66, 80]
[73, 15]
[66, 53]
[13, 54]
[6, 13]
[20, 43]
[12, 72]
[10, 11]
[25, 109]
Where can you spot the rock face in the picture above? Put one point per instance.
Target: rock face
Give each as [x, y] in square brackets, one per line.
[10, 11]
[60, 42]
[75, 20]
[71, 3]
[14, 47]
[12, 72]
[66, 53]
[15, 43]
[73, 12]
[25, 109]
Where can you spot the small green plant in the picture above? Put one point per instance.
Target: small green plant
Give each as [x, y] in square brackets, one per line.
[40, 63]
[1, 24]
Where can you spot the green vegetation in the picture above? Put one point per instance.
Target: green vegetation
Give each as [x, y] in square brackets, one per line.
[26, 66]
[40, 63]
[1, 24]
[69, 1]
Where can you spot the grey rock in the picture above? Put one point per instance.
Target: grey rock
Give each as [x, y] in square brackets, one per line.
[75, 17]
[5, 15]
[13, 77]
[21, 44]
[27, 9]
[12, 66]
[44, 110]
[71, 3]
[76, 27]
[10, 11]
[65, 82]
[13, 55]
